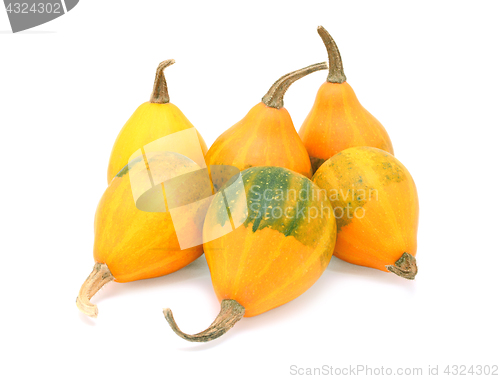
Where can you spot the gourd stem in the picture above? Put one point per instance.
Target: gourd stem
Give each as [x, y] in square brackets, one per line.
[230, 313]
[405, 267]
[160, 91]
[99, 276]
[336, 70]
[274, 97]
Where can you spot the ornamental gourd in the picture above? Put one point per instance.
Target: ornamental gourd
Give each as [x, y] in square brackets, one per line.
[266, 136]
[376, 204]
[337, 120]
[283, 244]
[131, 243]
[152, 120]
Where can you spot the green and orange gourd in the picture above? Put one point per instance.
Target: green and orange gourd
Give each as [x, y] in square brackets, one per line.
[282, 245]
[376, 205]
[266, 136]
[337, 119]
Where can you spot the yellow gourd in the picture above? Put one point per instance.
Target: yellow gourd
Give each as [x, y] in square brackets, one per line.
[151, 121]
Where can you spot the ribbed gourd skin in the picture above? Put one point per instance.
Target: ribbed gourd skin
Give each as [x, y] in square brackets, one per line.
[149, 122]
[376, 204]
[136, 244]
[338, 121]
[282, 245]
[266, 136]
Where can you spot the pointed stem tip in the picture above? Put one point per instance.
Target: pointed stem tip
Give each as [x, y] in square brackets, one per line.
[230, 313]
[405, 267]
[99, 276]
[274, 97]
[336, 69]
[160, 91]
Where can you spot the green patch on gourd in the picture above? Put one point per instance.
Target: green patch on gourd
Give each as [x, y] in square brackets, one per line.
[391, 172]
[279, 199]
[128, 166]
[123, 171]
[347, 201]
[388, 169]
[218, 175]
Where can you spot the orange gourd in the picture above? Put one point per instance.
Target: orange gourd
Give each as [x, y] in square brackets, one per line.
[283, 243]
[132, 244]
[266, 136]
[337, 119]
[376, 205]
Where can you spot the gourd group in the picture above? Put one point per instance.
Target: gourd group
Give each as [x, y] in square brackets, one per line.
[276, 206]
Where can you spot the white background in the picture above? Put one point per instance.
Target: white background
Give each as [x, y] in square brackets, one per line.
[429, 71]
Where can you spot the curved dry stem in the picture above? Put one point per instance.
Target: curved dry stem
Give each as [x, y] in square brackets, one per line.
[99, 276]
[160, 91]
[405, 267]
[336, 70]
[274, 97]
[230, 313]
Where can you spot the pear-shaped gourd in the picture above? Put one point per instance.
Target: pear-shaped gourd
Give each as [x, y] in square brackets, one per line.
[152, 120]
[376, 205]
[135, 236]
[337, 120]
[282, 242]
[266, 136]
